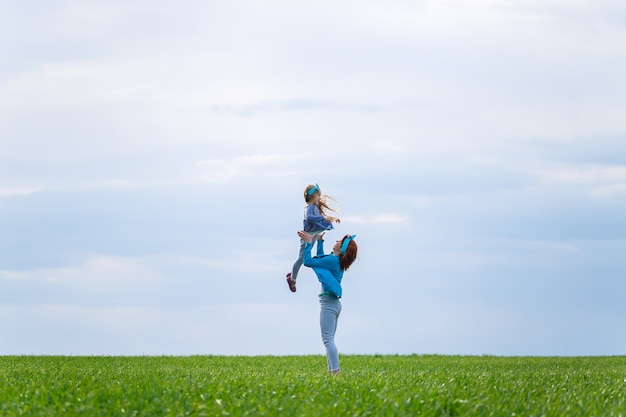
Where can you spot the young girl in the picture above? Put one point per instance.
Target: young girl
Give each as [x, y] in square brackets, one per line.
[315, 222]
[329, 270]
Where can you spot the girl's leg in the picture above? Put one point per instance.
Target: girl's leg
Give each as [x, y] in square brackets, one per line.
[291, 276]
[329, 315]
[298, 263]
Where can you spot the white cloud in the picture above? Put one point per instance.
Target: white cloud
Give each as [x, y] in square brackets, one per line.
[445, 16]
[376, 218]
[90, 19]
[386, 147]
[422, 200]
[227, 170]
[233, 96]
[248, 262]
[8, 191]
[136, 183]
[588, 173]
[597, 180]
[562, 246]
[69, 84]
[226, 329]
[97, 275]
[611, 190]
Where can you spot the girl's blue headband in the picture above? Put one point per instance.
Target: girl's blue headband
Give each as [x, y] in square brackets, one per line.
[313, 190]
[345, 244]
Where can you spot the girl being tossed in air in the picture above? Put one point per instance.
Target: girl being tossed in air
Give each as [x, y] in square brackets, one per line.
[316, 222]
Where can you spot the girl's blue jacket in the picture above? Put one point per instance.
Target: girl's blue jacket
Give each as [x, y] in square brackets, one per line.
[314, 220]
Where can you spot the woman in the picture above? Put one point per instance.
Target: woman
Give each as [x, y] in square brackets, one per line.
[329, 270]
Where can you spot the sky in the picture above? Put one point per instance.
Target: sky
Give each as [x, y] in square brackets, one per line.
[153, 157]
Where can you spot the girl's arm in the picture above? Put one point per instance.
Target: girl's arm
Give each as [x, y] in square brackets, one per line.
[319, 261]
[313, 214]
[320, 247]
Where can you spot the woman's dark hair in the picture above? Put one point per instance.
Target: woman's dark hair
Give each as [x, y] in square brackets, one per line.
[349, 256]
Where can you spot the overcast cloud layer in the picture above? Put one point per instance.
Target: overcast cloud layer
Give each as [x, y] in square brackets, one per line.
[153, 157]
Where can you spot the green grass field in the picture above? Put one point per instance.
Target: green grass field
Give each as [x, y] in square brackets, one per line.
[299, 386]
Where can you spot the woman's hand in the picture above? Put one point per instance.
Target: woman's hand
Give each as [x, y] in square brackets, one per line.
[305, 236]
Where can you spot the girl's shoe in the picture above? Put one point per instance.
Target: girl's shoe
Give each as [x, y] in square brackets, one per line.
[291, 283]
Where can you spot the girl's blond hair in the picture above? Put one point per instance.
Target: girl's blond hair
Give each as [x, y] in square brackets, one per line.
[322, 204]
